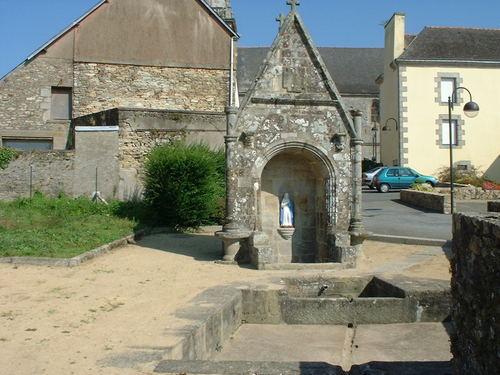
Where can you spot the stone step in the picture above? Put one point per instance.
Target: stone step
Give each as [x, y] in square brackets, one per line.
[301, 368]
[247, 368]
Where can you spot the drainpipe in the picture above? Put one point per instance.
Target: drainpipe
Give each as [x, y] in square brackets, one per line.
[231, 73]
[356, 227]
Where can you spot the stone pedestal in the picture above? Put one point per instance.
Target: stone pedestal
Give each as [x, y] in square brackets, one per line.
[231, 243]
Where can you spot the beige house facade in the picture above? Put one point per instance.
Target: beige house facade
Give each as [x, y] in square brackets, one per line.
[420, 73]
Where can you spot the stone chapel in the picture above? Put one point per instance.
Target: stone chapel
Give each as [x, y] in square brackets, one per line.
[292, 140]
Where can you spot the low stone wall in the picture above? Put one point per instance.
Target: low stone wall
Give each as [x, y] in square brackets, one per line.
[494, 206]
[433, 201]
[474, 286]
[473, 192]
[51, 173]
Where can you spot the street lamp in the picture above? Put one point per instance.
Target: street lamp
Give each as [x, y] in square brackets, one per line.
[387, 127]
[471, 109]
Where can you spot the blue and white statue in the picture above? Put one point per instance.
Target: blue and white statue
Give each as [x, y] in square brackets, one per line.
[287, 211]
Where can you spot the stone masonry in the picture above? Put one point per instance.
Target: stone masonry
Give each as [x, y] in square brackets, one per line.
[291, 135]
[25, 95]
[104, 86]
[51, 173]
[140, 130]
[475, 292]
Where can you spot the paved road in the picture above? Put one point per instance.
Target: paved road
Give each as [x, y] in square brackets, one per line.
[386, 214]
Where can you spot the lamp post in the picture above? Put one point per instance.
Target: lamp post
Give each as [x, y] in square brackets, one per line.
[387, 127]
[471, 109]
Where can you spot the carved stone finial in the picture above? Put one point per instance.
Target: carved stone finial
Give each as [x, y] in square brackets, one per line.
[293, 3]
[281, 19]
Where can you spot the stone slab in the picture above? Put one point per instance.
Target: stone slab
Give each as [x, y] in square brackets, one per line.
[422, 342]
[304, 266]
[242, 367]
[285, 343]
[404, 368]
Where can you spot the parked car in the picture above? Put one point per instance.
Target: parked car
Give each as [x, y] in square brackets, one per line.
[399, 178]
[368, 177]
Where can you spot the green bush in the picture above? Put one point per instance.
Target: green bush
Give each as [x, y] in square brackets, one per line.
[470, 176]
[423, 187]
[6, 155]
[184, 184]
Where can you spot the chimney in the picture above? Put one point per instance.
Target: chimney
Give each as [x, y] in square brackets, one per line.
[224, 10]
[394, 37]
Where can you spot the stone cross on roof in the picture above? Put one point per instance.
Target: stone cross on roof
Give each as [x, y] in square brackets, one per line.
[281, 18]
[293, 3]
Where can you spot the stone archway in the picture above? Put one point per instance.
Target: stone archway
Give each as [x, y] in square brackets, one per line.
[304, 176]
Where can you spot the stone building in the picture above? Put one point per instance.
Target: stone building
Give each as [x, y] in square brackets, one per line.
[354, 70]
[174, 85]
[420, 73]
[292, 143]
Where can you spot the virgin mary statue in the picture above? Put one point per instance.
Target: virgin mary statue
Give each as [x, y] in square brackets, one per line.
[286, 211]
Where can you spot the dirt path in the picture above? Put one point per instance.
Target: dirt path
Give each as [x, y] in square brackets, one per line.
[72, 320]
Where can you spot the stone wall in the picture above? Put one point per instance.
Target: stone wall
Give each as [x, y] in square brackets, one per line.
[432, 201]
[71, 172]
[25, 100]
[25, 94]
[52, 173]
[103, 86]
[143, 129]
[473, 192]
[475, 287]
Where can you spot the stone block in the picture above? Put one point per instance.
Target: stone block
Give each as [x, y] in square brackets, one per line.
[474, 289]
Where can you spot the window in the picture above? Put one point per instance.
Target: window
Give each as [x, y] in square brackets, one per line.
[61, 103]
[28, 143]
[406, 172]
[448, 85]
[445, 133]
[392, 172]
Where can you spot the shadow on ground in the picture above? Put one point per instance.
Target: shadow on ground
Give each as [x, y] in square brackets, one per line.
[417, 208]
[202, 247]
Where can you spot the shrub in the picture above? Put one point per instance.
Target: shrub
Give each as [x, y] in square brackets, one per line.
[184, 184]
[470, 176]
[423, 187]
[6, 155]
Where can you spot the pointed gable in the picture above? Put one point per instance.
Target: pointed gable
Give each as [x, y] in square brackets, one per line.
[294, 73]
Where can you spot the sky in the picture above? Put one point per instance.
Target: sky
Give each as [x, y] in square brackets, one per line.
[25, 25]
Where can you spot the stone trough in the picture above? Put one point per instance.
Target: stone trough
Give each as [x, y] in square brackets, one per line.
[216, 314]
[356, 300]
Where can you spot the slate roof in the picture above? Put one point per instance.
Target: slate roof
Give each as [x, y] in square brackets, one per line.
[454, 43]
[354, 70]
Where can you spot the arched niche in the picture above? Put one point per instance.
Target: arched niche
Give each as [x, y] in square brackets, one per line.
[305, 175]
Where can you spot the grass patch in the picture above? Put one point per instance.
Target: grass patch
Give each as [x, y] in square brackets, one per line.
[61, 227]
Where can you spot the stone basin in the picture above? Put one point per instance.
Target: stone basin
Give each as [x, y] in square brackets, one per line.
[350, 288]
[348, 301]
